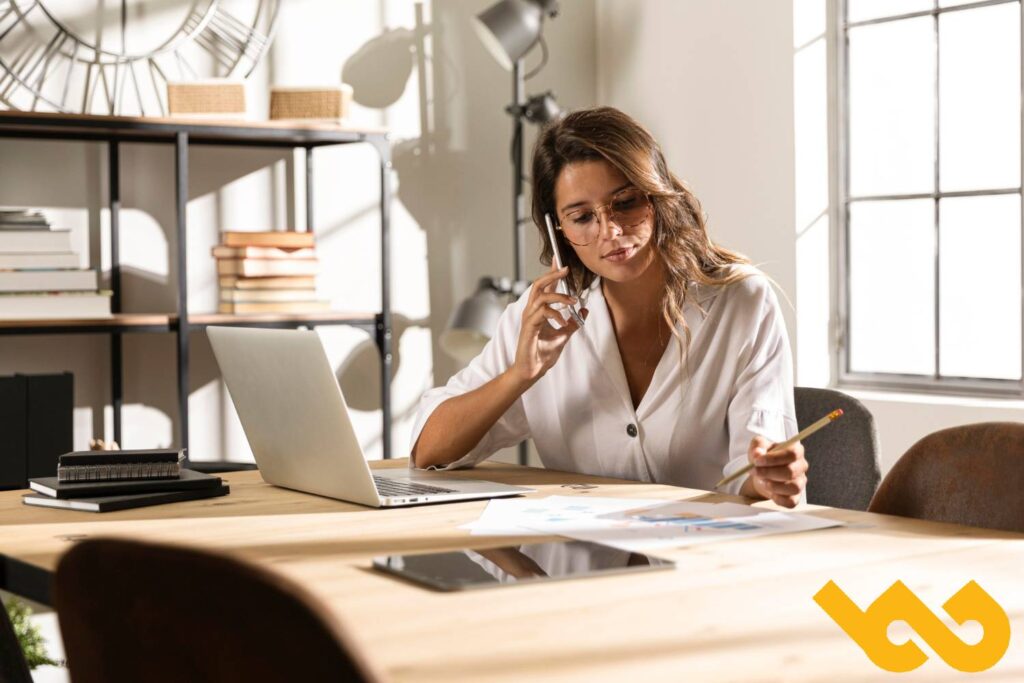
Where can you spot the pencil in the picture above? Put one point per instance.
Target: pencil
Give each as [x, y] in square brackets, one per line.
[827, 420]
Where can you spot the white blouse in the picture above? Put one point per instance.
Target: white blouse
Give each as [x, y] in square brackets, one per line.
[694, 423]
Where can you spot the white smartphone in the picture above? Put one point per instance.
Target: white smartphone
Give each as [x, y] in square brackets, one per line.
[557, 257]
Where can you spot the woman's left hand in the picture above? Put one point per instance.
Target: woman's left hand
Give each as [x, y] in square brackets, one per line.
[779, 477]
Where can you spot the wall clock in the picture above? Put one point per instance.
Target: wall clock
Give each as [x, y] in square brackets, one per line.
[117, 56]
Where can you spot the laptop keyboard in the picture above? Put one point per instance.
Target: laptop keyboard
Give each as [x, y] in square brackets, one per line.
[391, 487]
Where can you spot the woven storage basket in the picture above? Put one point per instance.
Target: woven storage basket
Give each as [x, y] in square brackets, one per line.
[328, 103]
[212, 98]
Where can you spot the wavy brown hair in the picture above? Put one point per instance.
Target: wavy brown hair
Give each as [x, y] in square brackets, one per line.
[680, 235]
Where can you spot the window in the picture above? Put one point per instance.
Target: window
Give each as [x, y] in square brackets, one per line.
[929, 182]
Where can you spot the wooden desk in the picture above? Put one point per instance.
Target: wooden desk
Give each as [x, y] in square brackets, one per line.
[739, 611]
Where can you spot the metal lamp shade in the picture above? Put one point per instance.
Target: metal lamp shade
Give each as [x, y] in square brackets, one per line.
[473, 323]
[509, 29]
[542, 109]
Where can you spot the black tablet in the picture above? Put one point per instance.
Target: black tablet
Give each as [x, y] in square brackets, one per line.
[482, 568]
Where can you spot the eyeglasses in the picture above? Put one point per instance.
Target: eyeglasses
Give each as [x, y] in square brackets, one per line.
[627, 209]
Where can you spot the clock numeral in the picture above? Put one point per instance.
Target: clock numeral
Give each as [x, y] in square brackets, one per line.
[229, 40]
[30, 67]
[159, 80]
[13, 13]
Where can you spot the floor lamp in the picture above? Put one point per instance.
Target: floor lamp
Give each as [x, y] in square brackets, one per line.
[509, 29]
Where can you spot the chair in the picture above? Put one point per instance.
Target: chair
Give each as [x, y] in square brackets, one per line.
[13, 667]
[132, 611]
[972, 474]
[843, 458]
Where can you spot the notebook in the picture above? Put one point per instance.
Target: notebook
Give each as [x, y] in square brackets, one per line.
[126, 502]
[188, 480]
[119, 465]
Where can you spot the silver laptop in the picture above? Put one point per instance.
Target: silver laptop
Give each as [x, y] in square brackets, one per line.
[298, 425]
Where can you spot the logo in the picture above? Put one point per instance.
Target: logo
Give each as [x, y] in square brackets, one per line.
[869, 628]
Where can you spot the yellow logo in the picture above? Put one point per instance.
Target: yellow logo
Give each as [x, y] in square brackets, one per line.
[869, 628]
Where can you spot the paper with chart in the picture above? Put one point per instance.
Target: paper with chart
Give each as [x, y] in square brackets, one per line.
[639, 525]
[527, 516]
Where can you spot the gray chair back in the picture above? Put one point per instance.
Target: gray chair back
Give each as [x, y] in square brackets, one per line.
[843, 458]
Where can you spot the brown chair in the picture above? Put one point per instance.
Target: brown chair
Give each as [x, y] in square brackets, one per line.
[132, 611]
[973, 475]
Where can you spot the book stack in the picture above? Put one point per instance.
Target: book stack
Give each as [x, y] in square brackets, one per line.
[40, 275]
[104, 481]
[268, 272]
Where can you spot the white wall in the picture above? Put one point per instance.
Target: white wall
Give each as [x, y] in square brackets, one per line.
[713, 81]
[451, 219]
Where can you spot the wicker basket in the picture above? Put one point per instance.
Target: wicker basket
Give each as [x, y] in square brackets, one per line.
[325, 103]
[215, 98]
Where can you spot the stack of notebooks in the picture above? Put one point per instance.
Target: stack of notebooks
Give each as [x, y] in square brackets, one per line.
[104, 481]
[268, 272]
[40, 275]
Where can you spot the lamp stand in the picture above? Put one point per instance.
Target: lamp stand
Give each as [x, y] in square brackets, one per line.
[518, 196]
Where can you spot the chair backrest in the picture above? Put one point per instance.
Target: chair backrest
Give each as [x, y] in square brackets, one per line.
[843, 458]
[13, 667]
[133, 611]
[972, 474]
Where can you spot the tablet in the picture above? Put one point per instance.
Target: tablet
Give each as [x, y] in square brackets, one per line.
[531, 563]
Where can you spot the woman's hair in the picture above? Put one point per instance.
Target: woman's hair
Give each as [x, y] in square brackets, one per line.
[680, 237]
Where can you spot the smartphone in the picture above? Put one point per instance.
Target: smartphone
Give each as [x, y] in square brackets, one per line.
[557, 257]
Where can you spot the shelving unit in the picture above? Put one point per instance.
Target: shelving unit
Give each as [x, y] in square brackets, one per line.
[116, 130]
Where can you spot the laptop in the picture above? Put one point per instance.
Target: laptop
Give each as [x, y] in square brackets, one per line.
[299, 428]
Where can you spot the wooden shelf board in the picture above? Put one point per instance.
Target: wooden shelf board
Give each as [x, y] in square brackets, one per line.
[157, 129]
[162, 322]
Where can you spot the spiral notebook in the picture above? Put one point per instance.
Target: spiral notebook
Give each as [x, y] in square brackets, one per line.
[82, 466]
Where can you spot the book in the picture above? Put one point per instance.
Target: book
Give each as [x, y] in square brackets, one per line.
[120, 465]
[260, 267]
[274, 307]
[50, 404]
[48, 261]
[125, 502]
[23, 225]
[259, 295]
[42, 305]
[48, 280]
[13, 425]
[23, 219]
[34, 241]
[283, 282]
[188, 479]
[277, 238]
[221, 251]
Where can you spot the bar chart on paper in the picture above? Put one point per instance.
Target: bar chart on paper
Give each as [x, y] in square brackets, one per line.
[638, 525]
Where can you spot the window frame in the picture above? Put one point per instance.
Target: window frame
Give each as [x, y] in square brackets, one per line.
[842, 200]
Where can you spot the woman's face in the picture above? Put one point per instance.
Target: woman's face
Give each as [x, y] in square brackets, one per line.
[613, 253]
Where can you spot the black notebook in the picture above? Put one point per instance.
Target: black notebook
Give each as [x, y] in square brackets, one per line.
[188, 480]
[120, 465]
[136, 500]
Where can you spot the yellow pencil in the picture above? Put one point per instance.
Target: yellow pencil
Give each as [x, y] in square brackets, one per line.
[827, 420]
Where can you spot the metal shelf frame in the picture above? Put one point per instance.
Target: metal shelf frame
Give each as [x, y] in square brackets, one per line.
[115, 131]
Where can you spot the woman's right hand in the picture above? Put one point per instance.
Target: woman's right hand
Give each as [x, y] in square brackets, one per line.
[540, 344]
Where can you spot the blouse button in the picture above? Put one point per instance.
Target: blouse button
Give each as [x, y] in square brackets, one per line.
[631, 429]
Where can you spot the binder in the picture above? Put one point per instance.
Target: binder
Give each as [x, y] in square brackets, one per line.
[13, 455]
[49, 422]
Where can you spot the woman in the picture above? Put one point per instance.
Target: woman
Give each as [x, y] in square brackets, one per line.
[617, 397]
